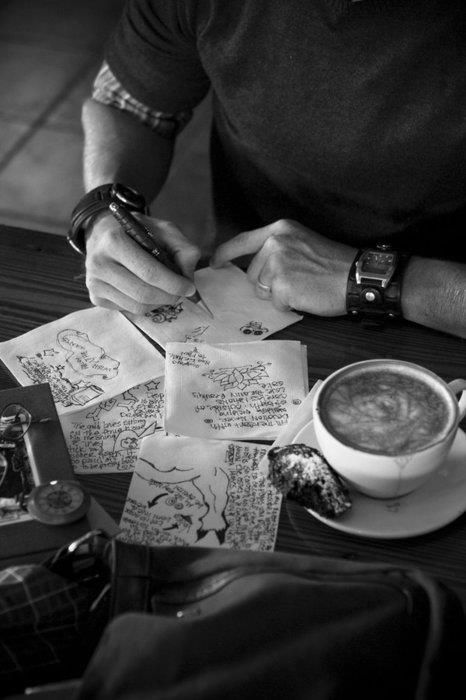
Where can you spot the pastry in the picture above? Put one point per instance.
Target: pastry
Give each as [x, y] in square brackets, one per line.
[302, 474]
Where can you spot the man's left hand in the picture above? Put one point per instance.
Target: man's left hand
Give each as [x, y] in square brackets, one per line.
[294, 266]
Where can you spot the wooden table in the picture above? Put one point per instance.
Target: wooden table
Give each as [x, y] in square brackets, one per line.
[41, 280]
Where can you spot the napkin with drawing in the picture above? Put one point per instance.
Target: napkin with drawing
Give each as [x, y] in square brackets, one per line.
[233, 390]
[106, 437]
[301, 417]
[187, 491]
[239, 315]
[86, 357]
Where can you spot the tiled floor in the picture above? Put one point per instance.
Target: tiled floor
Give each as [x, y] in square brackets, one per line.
[49, 53]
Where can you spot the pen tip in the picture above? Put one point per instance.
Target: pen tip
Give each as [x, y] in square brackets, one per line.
[197, 299]
[204, 306]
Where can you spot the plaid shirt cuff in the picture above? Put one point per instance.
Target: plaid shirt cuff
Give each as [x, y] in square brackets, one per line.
[108, 90]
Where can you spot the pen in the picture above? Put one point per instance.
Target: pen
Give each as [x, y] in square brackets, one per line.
[139, 233]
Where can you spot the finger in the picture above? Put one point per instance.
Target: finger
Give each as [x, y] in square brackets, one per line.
[123, 264]
[129, 290]
[185, 253]
[263, 291]
[261, 274]
[106, 304]
[261, 267]
[279, 302]
[266, 273]
[109, 243]
[148, 269]
[246, 243]
[103, 294]
[281, 294]
[263, 286]
[133, 286]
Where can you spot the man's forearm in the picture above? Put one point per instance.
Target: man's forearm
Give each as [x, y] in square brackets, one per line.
[117, 148]
[434, 295]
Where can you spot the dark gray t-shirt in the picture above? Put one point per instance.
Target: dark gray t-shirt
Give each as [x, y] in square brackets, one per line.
[348, 117]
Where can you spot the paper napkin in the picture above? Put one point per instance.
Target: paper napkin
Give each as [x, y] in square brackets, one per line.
[186, 491]
[239, 315]
[86, 357]
[233, 390]
[106, 437]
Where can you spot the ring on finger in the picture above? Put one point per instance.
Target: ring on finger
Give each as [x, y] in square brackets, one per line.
[266, 288]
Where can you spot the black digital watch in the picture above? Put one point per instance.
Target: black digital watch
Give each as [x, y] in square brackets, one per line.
[97, 201]
[373, 291]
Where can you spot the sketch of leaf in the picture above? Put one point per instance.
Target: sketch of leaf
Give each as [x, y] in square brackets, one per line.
[238, 377]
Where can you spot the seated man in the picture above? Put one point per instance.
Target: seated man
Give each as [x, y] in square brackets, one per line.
[337, 127]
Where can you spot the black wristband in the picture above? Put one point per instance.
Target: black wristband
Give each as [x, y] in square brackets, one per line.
[375, 301]
[97, 201]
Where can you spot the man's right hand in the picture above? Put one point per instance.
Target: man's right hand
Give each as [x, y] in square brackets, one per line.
[122, 275]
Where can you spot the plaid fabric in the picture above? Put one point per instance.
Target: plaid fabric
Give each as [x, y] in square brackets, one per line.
[42, 620]
[108, 90]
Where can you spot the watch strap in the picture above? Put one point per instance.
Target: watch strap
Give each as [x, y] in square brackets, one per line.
[371, 303]
[90, 206]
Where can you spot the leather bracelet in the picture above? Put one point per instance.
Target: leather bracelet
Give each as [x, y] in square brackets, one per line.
[97, 201]
[369, 300]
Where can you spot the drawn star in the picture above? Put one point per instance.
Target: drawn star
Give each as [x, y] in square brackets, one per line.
[152, 385]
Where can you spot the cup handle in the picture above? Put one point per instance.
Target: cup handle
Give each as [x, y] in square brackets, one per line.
[456, 386]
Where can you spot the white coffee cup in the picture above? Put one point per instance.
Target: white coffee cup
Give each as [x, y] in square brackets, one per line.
[387, 425]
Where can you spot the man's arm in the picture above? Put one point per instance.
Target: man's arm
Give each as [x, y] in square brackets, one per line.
[308, 272]
[117, 148]
[114, 143]
[434, 294]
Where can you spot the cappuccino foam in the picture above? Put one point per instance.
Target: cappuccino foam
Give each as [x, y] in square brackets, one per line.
[386, 410]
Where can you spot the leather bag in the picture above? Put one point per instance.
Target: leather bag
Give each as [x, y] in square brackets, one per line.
[211, 623]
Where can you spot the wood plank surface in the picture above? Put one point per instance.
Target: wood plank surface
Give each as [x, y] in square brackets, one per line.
[41, 280]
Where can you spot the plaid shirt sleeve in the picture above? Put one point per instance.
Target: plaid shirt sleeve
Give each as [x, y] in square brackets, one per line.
[45, 625]
[108, 90]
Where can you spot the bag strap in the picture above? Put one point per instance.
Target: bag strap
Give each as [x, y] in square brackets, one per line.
[131, 572]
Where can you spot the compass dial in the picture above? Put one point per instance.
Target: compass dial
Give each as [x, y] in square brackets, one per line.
[58, 502]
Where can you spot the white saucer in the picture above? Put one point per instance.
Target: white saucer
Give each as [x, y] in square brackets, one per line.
[441, 500]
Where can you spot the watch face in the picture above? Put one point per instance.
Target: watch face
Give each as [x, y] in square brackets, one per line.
[376, 267]
[376, 262]
[58, 502]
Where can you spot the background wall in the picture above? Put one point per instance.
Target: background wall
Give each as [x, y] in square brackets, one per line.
[50, 51]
